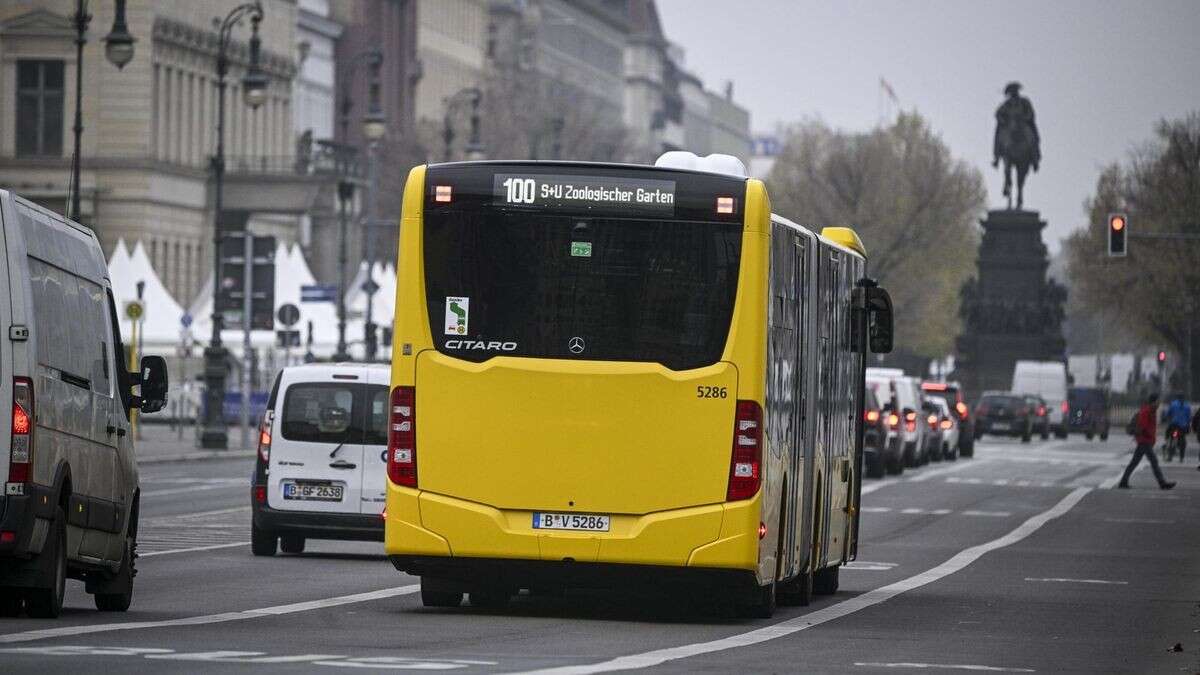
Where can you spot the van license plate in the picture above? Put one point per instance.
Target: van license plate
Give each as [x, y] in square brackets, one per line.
[1000, 426]
[570, 521]
[317, 492]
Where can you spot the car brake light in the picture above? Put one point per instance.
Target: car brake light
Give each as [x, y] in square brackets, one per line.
[7, 537]
[962, 409]
[872, 416]
[933, 386]
[745, 463]
[402, 437]
[932, 420]
[23, 421]
[264, 435]
[910, 421]
[1041, 411]
[947, 424]
[1065, 407]
[893, 420]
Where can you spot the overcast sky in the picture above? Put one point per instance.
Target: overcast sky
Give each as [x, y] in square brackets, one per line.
[1099, 74]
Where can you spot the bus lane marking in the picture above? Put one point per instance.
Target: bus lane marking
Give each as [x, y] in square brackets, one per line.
[948, 666]
[205, 619]
[826, 614]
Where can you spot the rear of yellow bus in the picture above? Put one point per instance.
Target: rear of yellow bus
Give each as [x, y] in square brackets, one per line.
[577, 380]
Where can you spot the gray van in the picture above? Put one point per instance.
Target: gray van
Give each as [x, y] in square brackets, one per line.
[70, 504]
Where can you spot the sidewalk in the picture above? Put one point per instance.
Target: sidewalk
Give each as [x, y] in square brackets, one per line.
[161, 443]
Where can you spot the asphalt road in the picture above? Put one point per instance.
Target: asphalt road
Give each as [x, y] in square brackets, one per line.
[1023, 559]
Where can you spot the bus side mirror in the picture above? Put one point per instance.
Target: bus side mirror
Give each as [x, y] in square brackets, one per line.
[152, 376]
[879, 319]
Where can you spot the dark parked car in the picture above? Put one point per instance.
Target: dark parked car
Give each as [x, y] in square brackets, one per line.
[931, 417]
[951, 392]
[875, 437]
[1041, 415]
[1087, 412]
[1003, 415]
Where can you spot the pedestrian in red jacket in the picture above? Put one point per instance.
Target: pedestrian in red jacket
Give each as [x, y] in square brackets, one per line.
[1146, 434]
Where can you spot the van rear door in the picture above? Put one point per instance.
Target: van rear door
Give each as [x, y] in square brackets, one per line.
[317, 452]
[374, 464]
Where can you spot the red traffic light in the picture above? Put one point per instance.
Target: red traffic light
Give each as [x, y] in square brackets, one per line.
[1117, 223]
[1118, 229]
[1162, 356]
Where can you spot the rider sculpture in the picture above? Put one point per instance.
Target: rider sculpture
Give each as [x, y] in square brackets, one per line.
[1017, 141]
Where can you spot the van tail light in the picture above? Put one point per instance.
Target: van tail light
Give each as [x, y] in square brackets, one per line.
[260, 494]
[1041, 412]
[23, 421]
[962, 409]
[264, 436]
[1065, 408]
[893, 420]
[745, 465]
[872, 416]
[910, 421]
[402, 437]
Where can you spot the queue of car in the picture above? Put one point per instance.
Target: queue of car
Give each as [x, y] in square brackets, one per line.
[910, 423]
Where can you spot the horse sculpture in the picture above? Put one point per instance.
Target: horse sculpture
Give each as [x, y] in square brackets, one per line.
[1017, 141]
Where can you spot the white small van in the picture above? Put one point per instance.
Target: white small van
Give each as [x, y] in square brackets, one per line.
[321, 470]
[70, 503]
[1047, 379]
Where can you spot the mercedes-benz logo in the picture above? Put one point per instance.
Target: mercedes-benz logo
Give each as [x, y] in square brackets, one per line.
[576, 345]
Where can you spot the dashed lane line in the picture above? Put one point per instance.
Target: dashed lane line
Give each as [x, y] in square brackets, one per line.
[946, 666]
[826, 614]
[924, 476]
[1061, 580]
[204, 619]
[194, 549]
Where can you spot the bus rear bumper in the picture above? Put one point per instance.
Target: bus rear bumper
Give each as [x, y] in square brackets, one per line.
[426, 526]
[465, 574]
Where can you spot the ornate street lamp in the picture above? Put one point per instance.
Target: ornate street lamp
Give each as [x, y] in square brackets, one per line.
[118, 49]
[474, 148]
[374, 128]
[254, 90]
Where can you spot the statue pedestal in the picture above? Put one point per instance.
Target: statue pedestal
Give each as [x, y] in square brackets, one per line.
[1010, 311]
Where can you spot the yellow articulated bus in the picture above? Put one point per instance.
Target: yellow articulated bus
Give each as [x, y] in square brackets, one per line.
[607, 375]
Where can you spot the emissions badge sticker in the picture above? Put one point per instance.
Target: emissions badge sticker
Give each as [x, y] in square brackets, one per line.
[457, 313]
[581, 249]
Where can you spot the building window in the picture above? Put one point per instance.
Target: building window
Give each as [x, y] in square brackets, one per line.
[39, 108]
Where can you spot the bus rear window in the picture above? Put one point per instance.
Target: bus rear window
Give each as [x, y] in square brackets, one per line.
[548, 285]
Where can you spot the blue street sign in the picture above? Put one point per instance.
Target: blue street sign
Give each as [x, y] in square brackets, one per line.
[318, 293]
[186, 320]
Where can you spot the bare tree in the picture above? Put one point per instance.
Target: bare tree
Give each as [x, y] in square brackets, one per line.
[913, 204]
[1153, 289]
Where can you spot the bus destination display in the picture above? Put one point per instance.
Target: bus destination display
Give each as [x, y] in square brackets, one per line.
[584, 193]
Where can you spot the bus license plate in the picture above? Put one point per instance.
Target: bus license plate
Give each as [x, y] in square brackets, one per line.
[570, 521]
[317, 492]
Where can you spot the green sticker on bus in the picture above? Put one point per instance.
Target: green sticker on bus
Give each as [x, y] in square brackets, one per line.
[581, 249]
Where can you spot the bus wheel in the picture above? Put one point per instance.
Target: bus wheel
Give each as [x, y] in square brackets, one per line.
[435, 594]
[490, 598]
[825, 582]
[760, 602]
[796, 592]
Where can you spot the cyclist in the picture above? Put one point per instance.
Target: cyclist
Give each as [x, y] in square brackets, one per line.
[1196, 427]
[1178, 417]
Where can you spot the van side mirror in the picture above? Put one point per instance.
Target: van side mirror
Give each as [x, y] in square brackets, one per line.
[152, 376]
[879, 319]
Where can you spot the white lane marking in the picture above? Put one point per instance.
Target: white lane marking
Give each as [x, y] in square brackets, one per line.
[1061, 580]
[875, 509]
[948, 666]
[913, 511]
[1147, 521]
[195, 488]
[826, 614]
[258, 658]
[932, 473]
[204, 619]
[865, 566]
[988, 514]
[404, 663]
[200, 514]
[193, 549]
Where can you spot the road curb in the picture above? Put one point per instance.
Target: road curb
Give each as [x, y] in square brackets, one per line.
[197, 456]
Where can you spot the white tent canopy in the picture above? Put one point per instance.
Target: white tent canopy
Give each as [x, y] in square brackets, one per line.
[161, 325]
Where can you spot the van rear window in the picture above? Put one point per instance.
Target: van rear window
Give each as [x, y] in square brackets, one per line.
[334, 412]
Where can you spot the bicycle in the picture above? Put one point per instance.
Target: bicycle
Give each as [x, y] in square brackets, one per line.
[1174, 444]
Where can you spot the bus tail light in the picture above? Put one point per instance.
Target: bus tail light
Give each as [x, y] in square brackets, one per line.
[402, 437]
[23, 421]
[745, 465]
[264, 436]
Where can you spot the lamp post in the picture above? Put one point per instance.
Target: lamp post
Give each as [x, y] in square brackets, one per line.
[474, 147]
[254, 90]
[374, 128]
[118, 49]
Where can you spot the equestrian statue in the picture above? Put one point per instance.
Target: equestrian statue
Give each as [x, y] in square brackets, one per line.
[1017, 141]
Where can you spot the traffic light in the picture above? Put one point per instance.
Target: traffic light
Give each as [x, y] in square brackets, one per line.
[1118, 230]
[231, 291]
[1162, 357]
